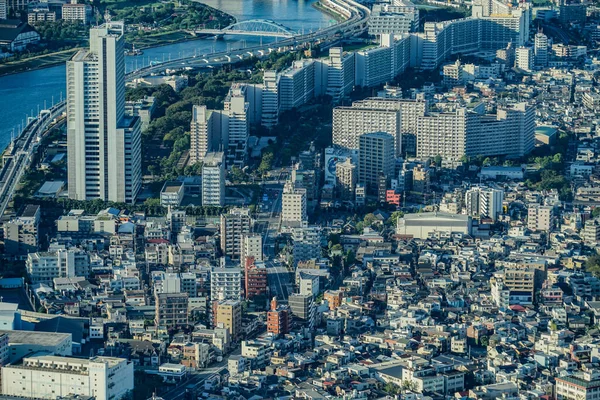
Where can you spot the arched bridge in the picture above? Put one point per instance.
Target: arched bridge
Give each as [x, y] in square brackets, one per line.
[252, 27]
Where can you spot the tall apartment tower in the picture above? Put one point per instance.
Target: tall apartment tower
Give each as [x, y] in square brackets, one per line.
[484, 202]
[103, 144]
[204, 133]
[340, 78]
[375, 156]
[349, 123]
[270, 99]
[225, 284]
[213, 180]
[293, 206]
[252, 247]
[234, 225]
[524, 58]
[236, 111]
[540, 49]
[345, 173]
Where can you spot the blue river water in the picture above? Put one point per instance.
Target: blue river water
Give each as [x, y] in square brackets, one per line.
[21, 95]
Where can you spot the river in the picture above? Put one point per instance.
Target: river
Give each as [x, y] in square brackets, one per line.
[21, 95]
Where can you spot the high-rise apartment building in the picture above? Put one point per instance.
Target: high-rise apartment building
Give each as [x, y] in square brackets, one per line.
[303, 307]
[340, 73]
[171, 309]
[76, 11]
[213, 180]
[252, 246]
[484, 202]
[346, 177]
[21, 232]
[234, 225]
[297, 85]
[375, 156]
[541, 49]
[471, 132]
[255, 279]
[349, 123]
[270, 99]
[225, 284]
[393, 19]
[293, 206]
[3, 9]
[235, 109]
[410, 110]
[307, 243]
[228, 313]
[205, 132]
[278, 318]
[524, 58]
[540, 218]
[103, 144]
[382, 64]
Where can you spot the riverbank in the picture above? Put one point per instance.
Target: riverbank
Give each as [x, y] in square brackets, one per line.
[326, 10]
[141, 43]
[37, 62]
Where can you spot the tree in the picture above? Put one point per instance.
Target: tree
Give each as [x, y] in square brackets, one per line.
[596, 212]
[438, 160]
[369, 219]
[265, 163]
[391, 388]
[393, 219]
[484, 341]
[592, 265]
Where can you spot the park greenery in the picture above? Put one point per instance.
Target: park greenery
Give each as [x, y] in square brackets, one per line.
[167, 138]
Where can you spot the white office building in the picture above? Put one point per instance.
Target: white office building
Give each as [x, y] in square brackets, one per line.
[104, 145]
[213, 180]
[49, 377]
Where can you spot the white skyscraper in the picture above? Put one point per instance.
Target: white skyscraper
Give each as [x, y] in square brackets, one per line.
[270, 99]
[236, 112]
[213, 180]
[104, 145]
[205, 132]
